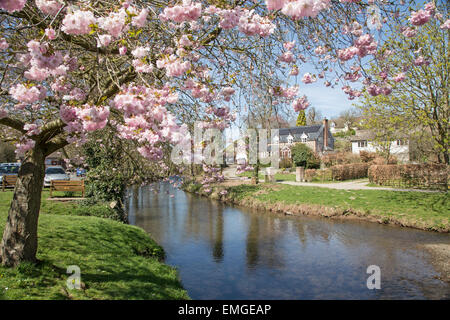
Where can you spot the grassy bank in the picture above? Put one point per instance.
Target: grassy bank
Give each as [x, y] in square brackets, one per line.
[426, 211]
[117, 261]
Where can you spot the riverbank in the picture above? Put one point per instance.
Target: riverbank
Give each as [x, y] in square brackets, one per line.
[425, 211]
[116, 260]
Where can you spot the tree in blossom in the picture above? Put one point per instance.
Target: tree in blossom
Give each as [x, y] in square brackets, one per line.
[71, 68]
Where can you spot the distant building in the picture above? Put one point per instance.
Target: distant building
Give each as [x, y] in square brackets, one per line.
[54, 159]
[317, 137]
[364, 141]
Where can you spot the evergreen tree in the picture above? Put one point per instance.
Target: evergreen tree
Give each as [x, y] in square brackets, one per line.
[301, 120]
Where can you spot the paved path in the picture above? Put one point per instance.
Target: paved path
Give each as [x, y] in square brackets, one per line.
[350, 185]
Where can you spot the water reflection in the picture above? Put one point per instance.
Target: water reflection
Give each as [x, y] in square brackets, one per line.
[224, 252]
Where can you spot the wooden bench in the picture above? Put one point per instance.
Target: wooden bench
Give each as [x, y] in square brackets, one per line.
[63, 185]
[9, 181]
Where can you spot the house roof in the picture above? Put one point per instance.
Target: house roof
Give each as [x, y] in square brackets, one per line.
[363, 135]
[312, 132]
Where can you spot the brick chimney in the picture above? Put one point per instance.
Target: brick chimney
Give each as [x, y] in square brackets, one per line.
[325, 134]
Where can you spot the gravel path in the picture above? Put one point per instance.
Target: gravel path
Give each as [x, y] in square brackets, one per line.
[350, 185]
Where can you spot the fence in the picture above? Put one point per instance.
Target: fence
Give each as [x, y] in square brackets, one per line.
[425, 176]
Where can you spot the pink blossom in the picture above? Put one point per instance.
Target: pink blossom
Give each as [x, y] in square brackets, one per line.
[50, 33]
[304, 8]
[188, 11]
[287, 57]
[252, 24]
[3, 44]
[12, 5]
[294, 71]
[420, 17]
[32, 129]
[142, 67]
[409, 32]
[399, 77]
[141, 19]
[123, 50]
[27, 94]
[446, 25]
[50, 7]
[289, 45]
[140, 52]
[300, 104]
[308, 78]
[103, 40]
[93, 117]
[275, 4]
[78, 22]
[114, 23]
[174, 66]
[23, 146]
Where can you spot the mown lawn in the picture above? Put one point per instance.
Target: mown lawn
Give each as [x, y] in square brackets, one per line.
[117, 261]
[428, 209]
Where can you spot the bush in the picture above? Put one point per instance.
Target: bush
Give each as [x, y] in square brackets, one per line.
[285, 163]
[350, 171]
[318, 175]
[303, 156]
[427, 176]
[336, 158]
[367, 156]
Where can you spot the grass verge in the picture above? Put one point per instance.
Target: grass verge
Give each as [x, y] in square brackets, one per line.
[117, 261]
[426, 211]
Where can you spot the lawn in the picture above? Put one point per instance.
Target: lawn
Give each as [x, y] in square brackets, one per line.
[117, 261]
[429, 211]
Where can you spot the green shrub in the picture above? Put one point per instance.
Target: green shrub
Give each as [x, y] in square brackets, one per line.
[303, 156]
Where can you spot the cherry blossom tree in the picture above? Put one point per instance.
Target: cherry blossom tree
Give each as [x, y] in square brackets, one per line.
[70, 68]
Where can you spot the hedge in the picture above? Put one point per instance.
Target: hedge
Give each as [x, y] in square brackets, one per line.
[426, 176]
[349, 171]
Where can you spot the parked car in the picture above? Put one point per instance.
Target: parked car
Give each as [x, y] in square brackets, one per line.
[8, 169]
[81, 172]
[54, 173]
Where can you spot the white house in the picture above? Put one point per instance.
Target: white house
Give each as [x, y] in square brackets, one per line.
[363, 141]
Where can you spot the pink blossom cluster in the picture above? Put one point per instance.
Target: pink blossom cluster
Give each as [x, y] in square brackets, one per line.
[23, 146]
[199, 90]
[241, 168]
[420, 17]
[375, 90]
[3, 44]
[78, 22]
[446, 25]
[294, 71]
[12, 5]
[300, 104]
[187, 11]
[114, 23]
[304, 8]
[287, 57]
[50, 7]
[308, 78]
[28, 94]
[252, 24]
[400, 77]
[409, 32]
[32, 129]
[93, 117]
[288, 93]
[175, 67]
[352, 94]
[227, 92]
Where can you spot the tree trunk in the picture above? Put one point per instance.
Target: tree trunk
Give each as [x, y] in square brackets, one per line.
[20, 241]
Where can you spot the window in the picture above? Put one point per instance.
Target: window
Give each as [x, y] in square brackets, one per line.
[290, 139]
[401, 142]
[362, 144]
[55, 171]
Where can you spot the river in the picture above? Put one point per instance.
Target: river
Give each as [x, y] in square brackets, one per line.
[226, 252]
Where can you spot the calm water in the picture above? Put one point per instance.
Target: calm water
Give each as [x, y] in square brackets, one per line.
[225, 252]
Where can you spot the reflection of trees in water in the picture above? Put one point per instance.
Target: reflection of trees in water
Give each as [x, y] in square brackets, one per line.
[218, 236]
[263, 244]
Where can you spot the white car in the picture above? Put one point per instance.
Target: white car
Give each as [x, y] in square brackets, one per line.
[55, 173]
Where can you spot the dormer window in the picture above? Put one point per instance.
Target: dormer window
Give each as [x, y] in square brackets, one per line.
[304, 138]
[290, 139]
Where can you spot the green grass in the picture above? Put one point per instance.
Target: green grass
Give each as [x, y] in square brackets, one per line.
[117, 261]
[278, 176]
[430, 210]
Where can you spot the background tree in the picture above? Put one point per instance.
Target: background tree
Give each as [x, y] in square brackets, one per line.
[416, 68]
[301, 119]
[7, 152]
[313, 116]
